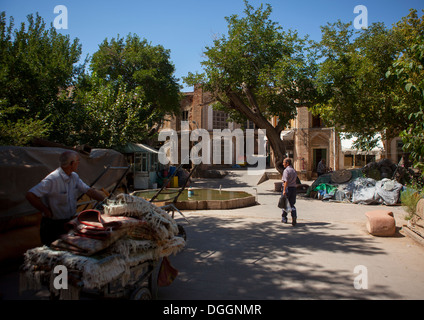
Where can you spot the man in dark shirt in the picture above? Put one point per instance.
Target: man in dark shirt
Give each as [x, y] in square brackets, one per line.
[289, 189]
[322, 168]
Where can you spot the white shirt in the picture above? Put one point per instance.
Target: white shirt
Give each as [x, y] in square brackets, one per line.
[59, 192]
[289, 176]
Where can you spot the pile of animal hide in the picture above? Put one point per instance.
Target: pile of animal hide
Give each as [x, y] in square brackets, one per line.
[103, 248]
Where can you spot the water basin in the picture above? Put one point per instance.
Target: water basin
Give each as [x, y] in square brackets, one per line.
[201, 199]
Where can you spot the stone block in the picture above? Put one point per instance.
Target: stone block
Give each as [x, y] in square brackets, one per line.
[278, 186]
[381, 223]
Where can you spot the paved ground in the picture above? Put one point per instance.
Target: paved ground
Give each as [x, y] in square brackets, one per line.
[248, 253]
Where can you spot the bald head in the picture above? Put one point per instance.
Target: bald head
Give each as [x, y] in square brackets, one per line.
[67, 157]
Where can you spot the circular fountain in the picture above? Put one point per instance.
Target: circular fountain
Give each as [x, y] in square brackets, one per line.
[200, 199]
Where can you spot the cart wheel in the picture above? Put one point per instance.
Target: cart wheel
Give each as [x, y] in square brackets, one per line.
[142, 293]
[181, 232]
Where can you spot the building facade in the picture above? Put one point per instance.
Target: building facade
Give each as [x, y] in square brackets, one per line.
[307, 140]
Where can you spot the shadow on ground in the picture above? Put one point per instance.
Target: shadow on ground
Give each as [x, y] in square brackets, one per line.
[229, 258]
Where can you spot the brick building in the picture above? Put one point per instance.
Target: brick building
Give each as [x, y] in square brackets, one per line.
[307, 140]
[197, 109]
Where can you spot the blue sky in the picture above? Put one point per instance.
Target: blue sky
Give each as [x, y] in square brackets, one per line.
[187, 26]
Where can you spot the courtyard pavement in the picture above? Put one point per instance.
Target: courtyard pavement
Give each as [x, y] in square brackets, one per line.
[248, 254]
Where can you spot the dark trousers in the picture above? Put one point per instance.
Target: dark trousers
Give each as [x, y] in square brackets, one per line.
[51, 230]
[291, 196]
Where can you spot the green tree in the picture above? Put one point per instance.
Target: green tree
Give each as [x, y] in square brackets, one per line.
[357, 96]
[371, 82]
[142, 66]
[367, 80]
[258, 71]
[37, 64]
[408, 70]
[111, 115]
[129, 92]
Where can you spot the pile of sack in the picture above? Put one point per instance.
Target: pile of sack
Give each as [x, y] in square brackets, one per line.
[104, 247]
[352, 186]
[125, 217]
[369, 191]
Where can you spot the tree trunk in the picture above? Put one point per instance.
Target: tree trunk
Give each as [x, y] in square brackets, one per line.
[253, 114]
[277, 146]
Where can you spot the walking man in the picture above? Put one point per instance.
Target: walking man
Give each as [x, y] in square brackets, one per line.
[289, 189]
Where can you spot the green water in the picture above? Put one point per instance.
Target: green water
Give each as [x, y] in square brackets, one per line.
[196, 195]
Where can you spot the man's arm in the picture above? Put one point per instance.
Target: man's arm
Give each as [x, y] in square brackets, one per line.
[38, 204]
[285, 181]
[95, 194]
[285, 185]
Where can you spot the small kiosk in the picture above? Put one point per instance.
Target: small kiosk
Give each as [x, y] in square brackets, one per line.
[145, 163]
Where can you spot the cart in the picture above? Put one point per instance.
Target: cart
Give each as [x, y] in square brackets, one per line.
[141, 286]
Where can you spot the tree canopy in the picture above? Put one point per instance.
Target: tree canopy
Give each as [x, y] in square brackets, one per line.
[408, 70]
[142, 67]
[358, 98]
[44, 92]
[37, 64]
[371, 81]
[258, 71]
[125, 97]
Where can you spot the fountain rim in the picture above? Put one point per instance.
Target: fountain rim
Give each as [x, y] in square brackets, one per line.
[235, 203]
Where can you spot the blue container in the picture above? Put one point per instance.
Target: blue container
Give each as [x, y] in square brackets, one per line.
[172, 170]
[190, 193]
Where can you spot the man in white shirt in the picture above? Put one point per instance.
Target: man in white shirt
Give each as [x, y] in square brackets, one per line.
[56, 196]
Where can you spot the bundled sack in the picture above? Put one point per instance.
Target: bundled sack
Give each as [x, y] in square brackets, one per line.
[91, 224]
[85, 246]
[95, 272]
[389, 191]
[92, 232]
[139, 208]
